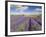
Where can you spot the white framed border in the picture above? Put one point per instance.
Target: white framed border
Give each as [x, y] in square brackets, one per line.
[27, 32]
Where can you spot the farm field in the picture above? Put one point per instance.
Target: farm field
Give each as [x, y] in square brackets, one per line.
[25, 23]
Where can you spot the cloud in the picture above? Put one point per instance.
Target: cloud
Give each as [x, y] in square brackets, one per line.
[21, 9]
[38, 10]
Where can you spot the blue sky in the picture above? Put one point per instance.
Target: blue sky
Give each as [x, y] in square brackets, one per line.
[25, 9]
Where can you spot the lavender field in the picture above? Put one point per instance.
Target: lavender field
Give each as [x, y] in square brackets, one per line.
[25, 23]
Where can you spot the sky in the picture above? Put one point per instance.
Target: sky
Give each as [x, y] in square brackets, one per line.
[25, 9]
